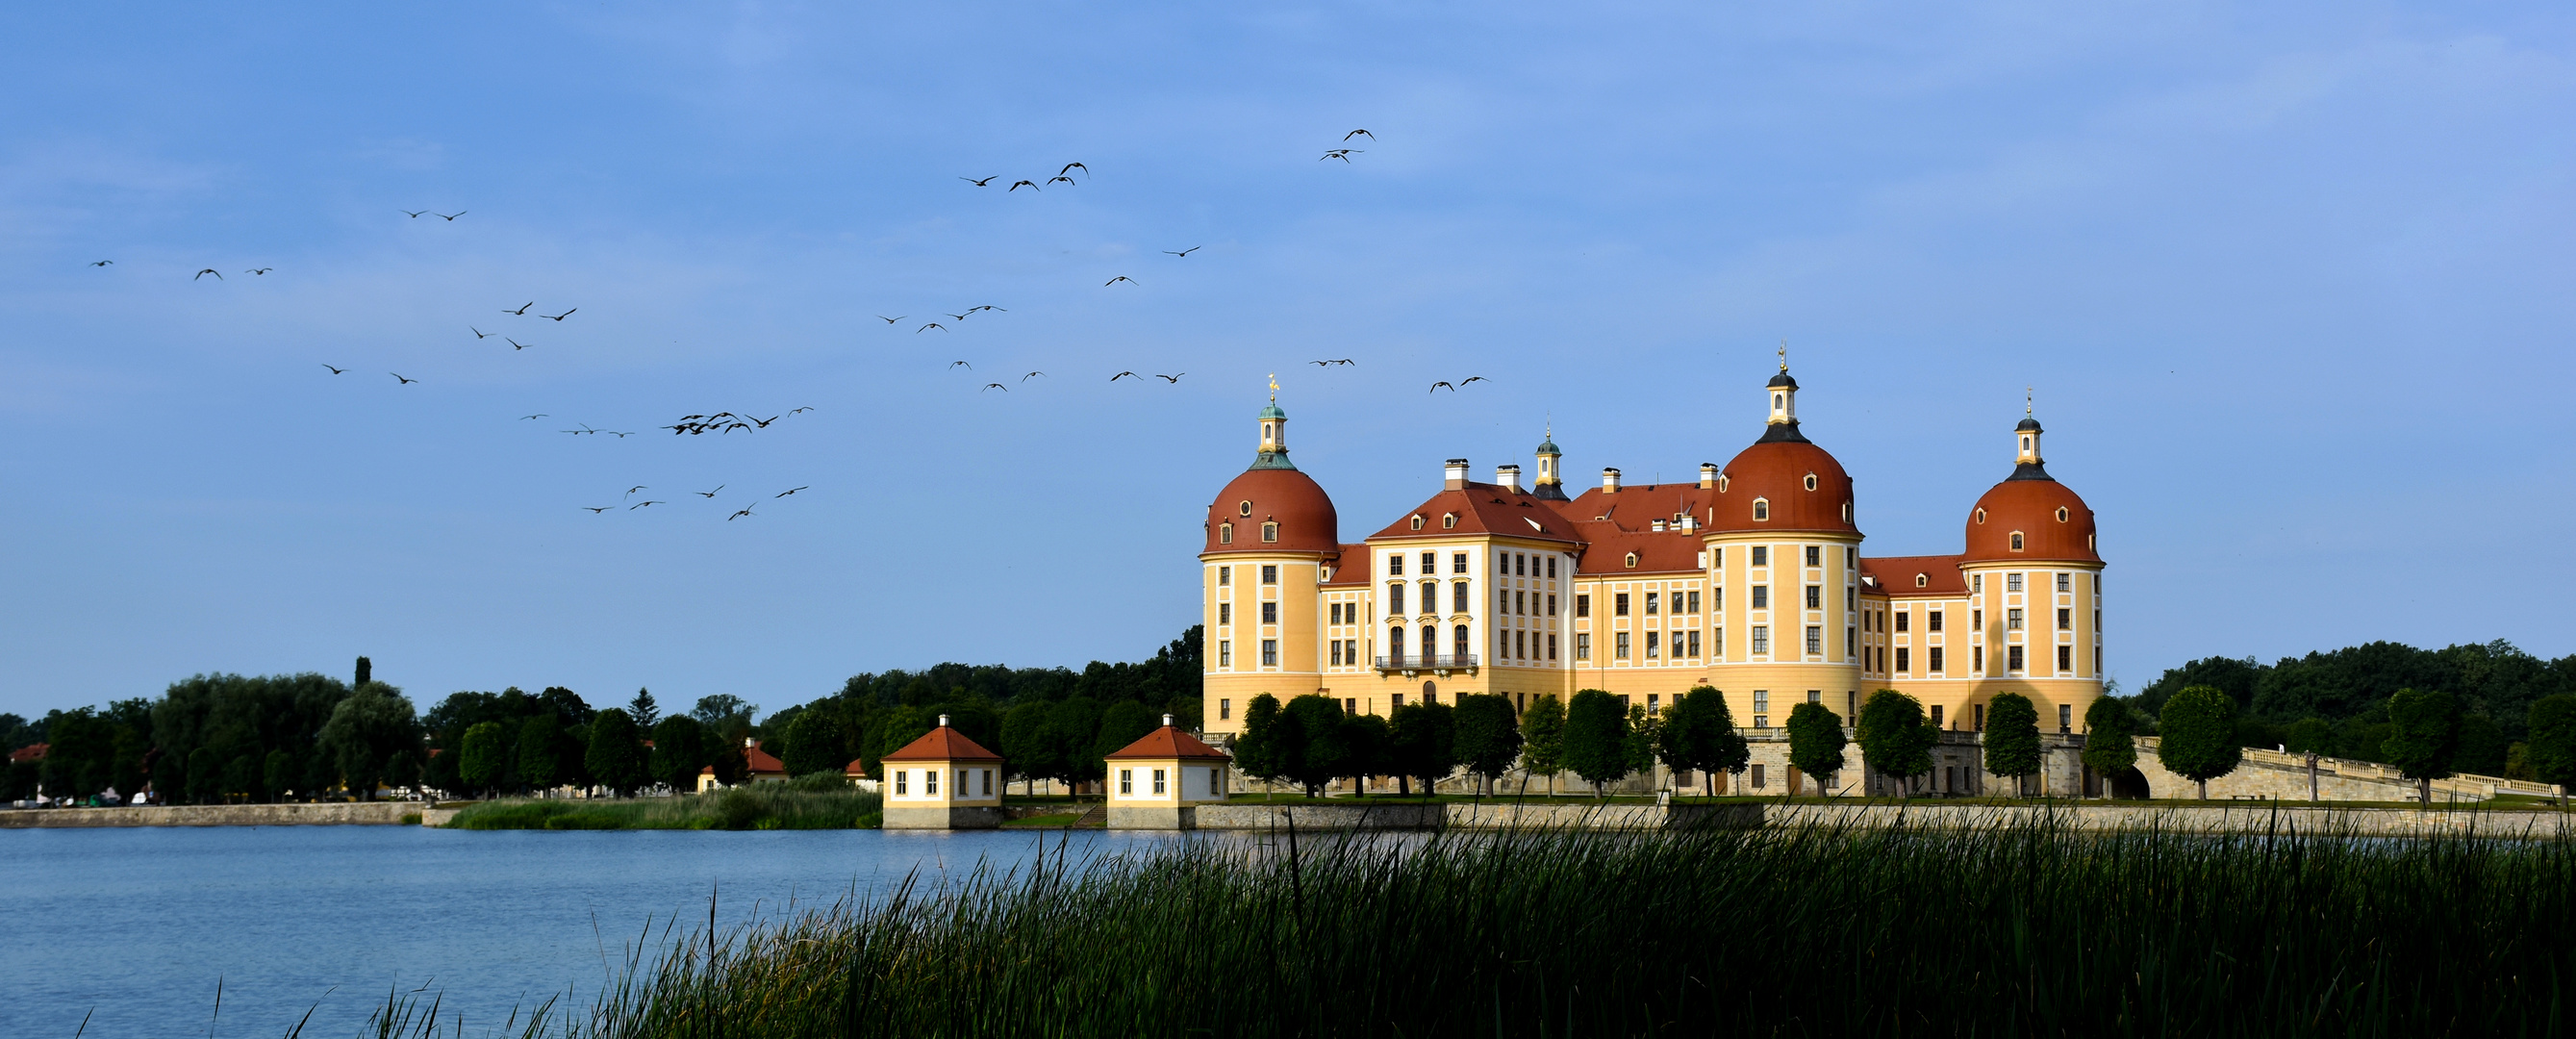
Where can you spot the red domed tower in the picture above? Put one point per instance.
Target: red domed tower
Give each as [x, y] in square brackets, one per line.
[2034, 574]
[1272, 540]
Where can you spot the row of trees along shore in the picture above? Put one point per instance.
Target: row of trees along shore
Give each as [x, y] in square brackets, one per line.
[221, 738]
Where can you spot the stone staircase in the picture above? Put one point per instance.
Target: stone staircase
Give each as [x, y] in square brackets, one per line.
[1096, 818]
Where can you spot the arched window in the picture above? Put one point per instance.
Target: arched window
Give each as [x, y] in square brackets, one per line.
[1395, 642]
[1721, 483]
[2061, 514]
[1243, 508]
[1846, 512]
[1270, 532]
[1417, 522]
[1459, 641]
[1811, 481]
[1395, 600]
[1225, 533]
[1632, 560]
[2016, 541]
[1922, 580]
[1448, 520]
[1981, 515]
[1761, 509]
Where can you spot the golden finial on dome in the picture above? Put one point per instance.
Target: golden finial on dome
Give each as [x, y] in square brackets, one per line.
[1274, 387]
[1784, 355]
[2026, 394]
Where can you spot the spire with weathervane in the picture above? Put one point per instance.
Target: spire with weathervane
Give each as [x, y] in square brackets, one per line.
[1551, 470]
[2028, 465]
[1783, 391]
[1274, 434]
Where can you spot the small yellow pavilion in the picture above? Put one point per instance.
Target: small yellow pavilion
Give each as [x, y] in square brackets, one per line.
[1158, 782]
[942, 781]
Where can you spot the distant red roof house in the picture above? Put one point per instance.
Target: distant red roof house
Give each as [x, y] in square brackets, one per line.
[943, 744]
[30, 752]
[856, 769]
[1169, 742]
[760, 764]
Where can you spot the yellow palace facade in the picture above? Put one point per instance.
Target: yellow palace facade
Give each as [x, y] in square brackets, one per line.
[1751, 580]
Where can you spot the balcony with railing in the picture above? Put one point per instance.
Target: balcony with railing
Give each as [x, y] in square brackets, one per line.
[1428, 662]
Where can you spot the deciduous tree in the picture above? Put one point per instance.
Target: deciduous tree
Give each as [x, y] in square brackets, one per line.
[1596, 738]
[1894, 737]
[1816, 741]
[2199, 735]
[616, 753]
[365, 731]
[1260, 753]
[1543, 740]
[1323, 748]
[2109, 748]
[2012, 737]
[1699, 734]
[1488, 736]
[679, 751]
[1422, 744]
[2426, 736]
[2551, 750]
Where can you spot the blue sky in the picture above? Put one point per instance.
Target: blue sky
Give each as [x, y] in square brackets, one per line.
[2293, 284]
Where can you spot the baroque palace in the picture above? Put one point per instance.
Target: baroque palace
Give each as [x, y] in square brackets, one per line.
[1751, 580]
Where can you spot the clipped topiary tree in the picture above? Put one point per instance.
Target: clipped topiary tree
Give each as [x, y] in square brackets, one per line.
[1699, 734]
[1323, 747]
[2424, 735]
[2109, 747]
[1596, 738]
[1815, 740]
[1422, 743]
[2012, 737]
[2551, 748]
[1542, 740]
[484, 758]
[1488, 737]
[1894, 737]
[1261, 752]
[2199, 735]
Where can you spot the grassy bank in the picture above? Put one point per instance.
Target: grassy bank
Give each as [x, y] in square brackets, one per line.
[2026, 930]
[762, 807]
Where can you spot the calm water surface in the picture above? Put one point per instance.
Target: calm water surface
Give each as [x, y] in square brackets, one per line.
[138, 924]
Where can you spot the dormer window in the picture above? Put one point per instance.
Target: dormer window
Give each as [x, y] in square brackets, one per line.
[1270, 531]
[1448, 520]
[1981, 515]
[1846, 512]
[1721, 483]
[1761, 509]
[1243, 508]
[1225, 533]
[2061, 514]
[1922, 580]
[2016, 541]
[1811, 481]
[1417, 522]
[1632, 560]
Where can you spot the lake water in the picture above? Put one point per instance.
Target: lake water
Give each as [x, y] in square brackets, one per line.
[137, 925]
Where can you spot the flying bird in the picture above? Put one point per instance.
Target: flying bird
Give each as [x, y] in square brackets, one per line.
[763, 422]
[1343, 154]
[988, 306]
[1173, 379]
[801, 410]
[1473, 378]
[1126, 375]
[577, 432]
[1072, 166]
[1435, 387]
[888, 320]
[708, 494]
[930, 326]
[524, 418]
[478, 333]
[1030, 376]
[523, 308]
[334, 371]
[558, 317]
[515, 344]
[597, 509]
[449, 217]
[1320, 364]
[1120, 278]
[995, 386]
[1186, 252]
[960, 317]
[1359, 133]
[414, 213]
[1032, 185]
[618, 435]
[405, 381]
[789, 491]
[1067, 180]
[738, 515]
[953, 365]
[102, 263]
[981, 183]
[641, 504]
[219, 275]
[630, 492]
[259, 270]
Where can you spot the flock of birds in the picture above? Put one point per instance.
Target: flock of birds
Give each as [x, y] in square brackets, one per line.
[727, 422]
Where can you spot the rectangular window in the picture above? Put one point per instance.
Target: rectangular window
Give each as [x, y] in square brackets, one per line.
[1270, 613]
[1158, 781]
[2065, 717]
[1551, 646]
[1225, 710]
[2012, 619]
[930, 782]
[1395, 564]
[1815, 556]
[1717, 600]
[1621, 649]
[1430, 563]
[1458, 562]
[2066, 658]
[1335, 609]
[1225, 575]
[1270, 652]
[1977, 619]
[1126, 781]
[2065, 620]
[1761, 701]
[1901, 617]
[2012, 582]
[1761, 596]
[1977, 583]
[1762, 638]
[2012, 658]
[1717, 643]
[1981, 717]
[1583, 606]
[1815, 639]
[1815, 597]
[1851, 599]
[1762, 555]
[1337, 653]
[1932, 659]
[1977, 658]
[1225, 652]
[1654, 643]
[902, 782]
[1694, 602]
[1936, 716]
[1694, 642]
[1225, 613]
[1551, 603]
[1932, 619]
[1582, 646]
[1551, 568]
[1904, 660]
[1270, 575]
[1351, 651]
[1651, 599]
[1520, 602]
[988, 782]
[1757, 769]
[1654, 703]
[1395, 600]
[1395, 644]
[1619, 604]
[2065, 582]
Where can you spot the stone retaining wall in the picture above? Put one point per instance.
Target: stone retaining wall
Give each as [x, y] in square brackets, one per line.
[369, 813]
[2214, 818]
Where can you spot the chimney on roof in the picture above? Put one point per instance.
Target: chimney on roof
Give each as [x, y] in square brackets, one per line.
[1609, 481]
[1707, 475]
[1509, 476]
[748, 743]
[1453, 476]
[1167, 721]
[1658, 526]
[943, 721]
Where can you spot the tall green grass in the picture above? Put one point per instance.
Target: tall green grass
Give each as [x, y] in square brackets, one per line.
[757, 807]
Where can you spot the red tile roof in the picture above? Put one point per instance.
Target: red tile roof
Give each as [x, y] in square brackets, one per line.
[2030, 506]
[1483, 508]
[30, 752]
[1351, 568]
[760, 762]
[1307, 522]
[942, 744]
[1169, 742]
[857, 767]
[1893, 576]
